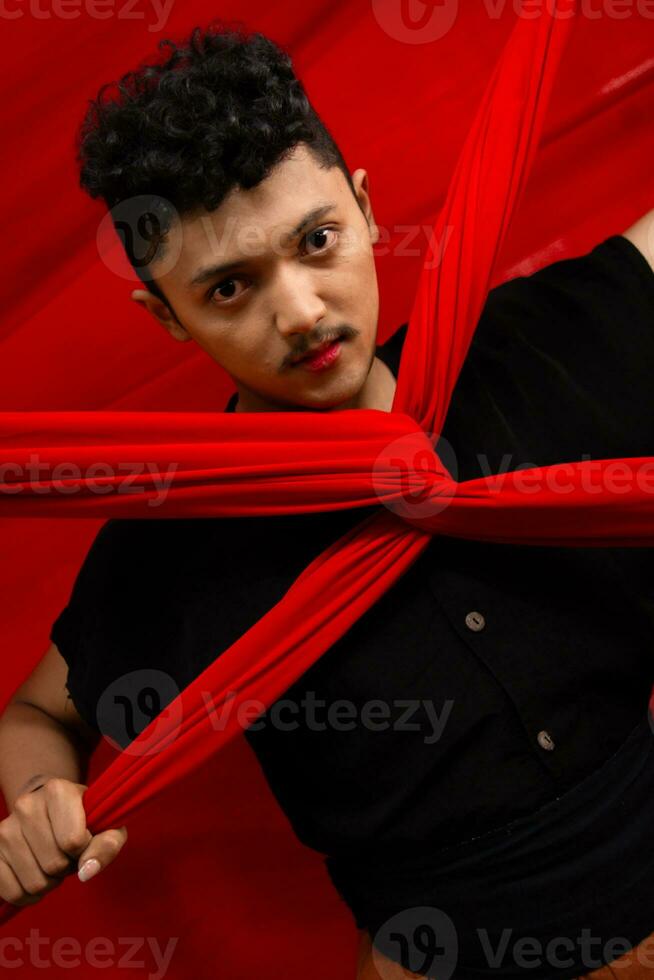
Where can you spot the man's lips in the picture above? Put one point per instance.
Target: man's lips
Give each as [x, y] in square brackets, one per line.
[317, 350]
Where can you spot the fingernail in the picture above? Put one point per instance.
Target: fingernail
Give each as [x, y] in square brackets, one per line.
[88, 869]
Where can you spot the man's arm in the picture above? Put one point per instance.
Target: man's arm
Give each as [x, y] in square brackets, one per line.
[641, 234]
[41, 732]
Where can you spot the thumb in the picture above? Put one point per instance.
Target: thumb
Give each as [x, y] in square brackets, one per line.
[101, 851]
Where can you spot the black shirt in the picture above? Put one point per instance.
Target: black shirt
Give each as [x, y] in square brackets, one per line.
[502, 674]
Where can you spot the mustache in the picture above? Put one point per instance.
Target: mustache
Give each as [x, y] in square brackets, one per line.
[346, 332]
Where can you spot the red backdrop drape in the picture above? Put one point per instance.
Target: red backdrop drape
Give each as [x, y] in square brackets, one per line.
[71, 340]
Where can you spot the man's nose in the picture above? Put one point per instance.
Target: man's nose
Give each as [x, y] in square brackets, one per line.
[298, 307]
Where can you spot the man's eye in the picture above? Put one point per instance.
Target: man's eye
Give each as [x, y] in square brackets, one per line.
[321, 232]
[227, 284]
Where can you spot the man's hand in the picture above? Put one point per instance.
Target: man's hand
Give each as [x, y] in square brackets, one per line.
[45, 839]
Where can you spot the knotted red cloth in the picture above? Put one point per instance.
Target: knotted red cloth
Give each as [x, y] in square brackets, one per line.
[294, 462]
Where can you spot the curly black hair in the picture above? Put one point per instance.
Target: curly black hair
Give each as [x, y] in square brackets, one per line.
[219, 111]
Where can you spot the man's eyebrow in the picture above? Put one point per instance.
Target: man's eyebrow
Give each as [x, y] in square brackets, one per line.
[210, 271]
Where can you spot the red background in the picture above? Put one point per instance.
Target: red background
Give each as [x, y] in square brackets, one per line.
[72, 339]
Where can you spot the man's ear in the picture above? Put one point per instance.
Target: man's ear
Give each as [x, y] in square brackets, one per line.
[360, 181]
[161, 313]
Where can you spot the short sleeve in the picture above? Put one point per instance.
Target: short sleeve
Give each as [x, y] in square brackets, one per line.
[119, 618]
[155, 601]
[70, 628]
[560, 366]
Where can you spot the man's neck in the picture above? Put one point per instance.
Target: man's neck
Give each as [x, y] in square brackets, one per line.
[377, 393]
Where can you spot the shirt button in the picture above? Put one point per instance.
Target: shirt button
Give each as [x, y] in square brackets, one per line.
[475, 621]
[545, 740]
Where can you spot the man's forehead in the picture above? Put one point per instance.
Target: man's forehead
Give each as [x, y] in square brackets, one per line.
[213, 243]
[254, 223]
[237, 242]
[272, 206]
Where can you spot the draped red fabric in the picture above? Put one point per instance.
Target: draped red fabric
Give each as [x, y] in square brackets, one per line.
[227, 465]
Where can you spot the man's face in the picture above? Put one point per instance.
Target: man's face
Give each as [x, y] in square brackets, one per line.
[285, 292]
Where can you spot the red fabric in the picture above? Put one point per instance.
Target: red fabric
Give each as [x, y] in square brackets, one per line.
[226, 466]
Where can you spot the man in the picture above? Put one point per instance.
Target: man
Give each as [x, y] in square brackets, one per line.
[490, 680]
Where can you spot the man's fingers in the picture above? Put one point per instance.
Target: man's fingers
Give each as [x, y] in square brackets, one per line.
[66, 814]
[101, 851]
[11, 889]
